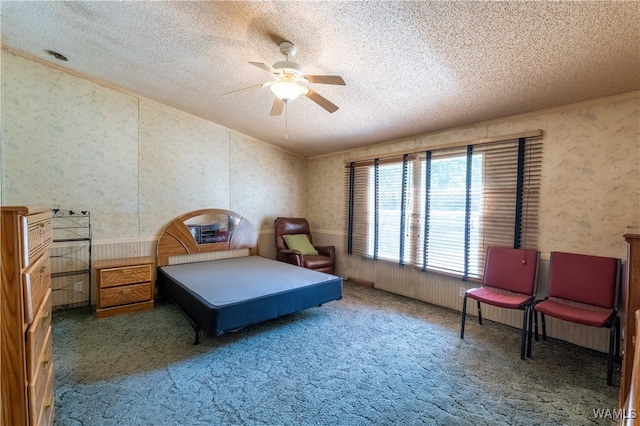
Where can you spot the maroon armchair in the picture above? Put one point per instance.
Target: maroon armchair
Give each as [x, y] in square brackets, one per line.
[292, 246]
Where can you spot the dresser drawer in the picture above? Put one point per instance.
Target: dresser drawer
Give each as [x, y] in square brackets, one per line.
[48, 407]
[37, 334]
[122, 295]
[36, 282]
[39, 383]
[37, 235]
[41, 398]
[125, 275]
[42, 360]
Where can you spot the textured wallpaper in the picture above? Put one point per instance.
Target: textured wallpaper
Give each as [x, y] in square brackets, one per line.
[326, 206]
[133, 163]
[590, 189]
[184, 165]
[71, 143]
[267, 182]
[591, 178]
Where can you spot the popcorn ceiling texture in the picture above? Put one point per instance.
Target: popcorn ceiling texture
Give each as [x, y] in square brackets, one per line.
[410, 67]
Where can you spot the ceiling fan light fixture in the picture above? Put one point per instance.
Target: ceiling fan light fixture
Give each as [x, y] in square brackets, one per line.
[289, 82]
[287, 90]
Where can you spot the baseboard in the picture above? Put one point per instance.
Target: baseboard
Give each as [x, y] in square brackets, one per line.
[359, 282]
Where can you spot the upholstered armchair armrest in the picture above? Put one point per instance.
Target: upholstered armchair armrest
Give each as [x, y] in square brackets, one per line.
[293, 257]
[329, 251]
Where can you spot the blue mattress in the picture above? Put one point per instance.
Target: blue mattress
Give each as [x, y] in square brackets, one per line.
[226, 295]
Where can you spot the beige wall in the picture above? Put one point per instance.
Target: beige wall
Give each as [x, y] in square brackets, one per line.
[133, 163]
[590, 192]
[590, 175]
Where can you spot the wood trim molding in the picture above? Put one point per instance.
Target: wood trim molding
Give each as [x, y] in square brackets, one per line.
[489, 139]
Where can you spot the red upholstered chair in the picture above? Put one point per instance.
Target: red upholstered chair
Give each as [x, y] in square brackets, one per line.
[294, 248]
[509, 281]
[583, 289]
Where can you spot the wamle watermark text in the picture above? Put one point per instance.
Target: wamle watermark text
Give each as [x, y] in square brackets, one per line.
[614, 413]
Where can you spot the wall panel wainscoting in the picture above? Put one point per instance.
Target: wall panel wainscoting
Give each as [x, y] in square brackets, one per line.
[443, 290]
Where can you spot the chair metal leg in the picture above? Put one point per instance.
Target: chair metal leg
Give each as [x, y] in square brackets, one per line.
[532, 312]
[612, 343]
[464, 315]
[535, 317]
[523, 344]
[544, 327]
[479, 314]
[618, 359]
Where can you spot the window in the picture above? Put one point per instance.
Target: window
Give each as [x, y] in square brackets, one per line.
[438, 210]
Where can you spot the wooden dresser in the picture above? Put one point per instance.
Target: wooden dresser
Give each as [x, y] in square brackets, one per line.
[26, 356]
[630, 331]
[124, 285]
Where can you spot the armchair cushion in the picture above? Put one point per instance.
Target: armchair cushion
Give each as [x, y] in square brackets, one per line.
[301, 243]
[591, 317]
[319, 263]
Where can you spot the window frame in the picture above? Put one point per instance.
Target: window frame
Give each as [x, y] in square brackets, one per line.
[415, 226]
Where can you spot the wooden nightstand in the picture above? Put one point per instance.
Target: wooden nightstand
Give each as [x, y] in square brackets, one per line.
[124, 285]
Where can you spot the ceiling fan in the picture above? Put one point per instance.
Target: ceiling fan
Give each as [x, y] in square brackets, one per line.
[289, 82]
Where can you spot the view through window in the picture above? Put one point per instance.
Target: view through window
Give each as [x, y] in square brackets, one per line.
[439, 210]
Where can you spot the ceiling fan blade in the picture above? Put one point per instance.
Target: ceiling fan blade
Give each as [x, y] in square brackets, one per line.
[323, 102]
[278, 105]
[325, 79]
[264, 67]
[250, 88]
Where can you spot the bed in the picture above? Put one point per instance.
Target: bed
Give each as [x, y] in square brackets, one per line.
[209, 267]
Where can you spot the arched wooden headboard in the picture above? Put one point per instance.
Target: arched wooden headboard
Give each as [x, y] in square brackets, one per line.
[203, 231]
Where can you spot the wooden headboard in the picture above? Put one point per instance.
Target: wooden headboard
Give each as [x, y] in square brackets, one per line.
[204, 231]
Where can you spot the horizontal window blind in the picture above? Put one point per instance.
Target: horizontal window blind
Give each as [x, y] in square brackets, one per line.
[438, 210]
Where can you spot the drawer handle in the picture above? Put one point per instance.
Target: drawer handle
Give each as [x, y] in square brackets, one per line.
[126, 290]
[126, 271]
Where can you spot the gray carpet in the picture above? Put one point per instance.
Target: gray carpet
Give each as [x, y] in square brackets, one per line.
[373, 358]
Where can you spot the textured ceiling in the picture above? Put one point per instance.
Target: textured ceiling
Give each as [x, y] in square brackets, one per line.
[409, 67]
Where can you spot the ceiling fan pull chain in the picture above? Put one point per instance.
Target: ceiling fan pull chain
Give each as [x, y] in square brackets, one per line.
[286, 120]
